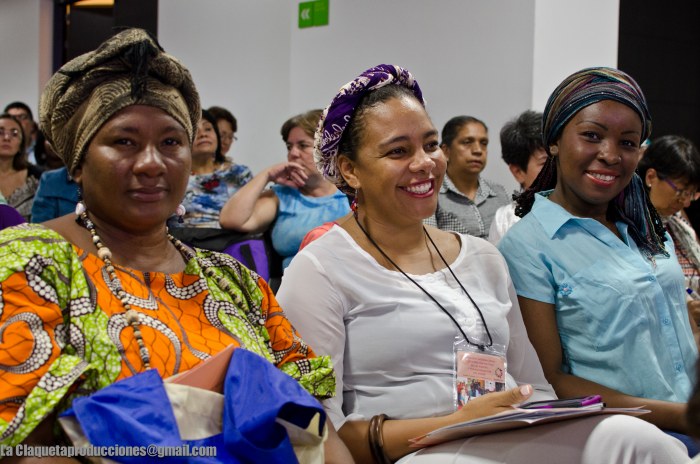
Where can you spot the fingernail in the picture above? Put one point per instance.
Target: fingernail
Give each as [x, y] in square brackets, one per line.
[526, 390]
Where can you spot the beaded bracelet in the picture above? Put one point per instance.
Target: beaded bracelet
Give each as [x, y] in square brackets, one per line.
[376, 440]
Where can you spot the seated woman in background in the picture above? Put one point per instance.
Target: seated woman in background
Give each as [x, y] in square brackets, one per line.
[18, 179]
[227, 126]
[300, 200]
[386, 297]
[213, 181]
[670, 169]
[468, 202]
[600, 288]
[123, 118]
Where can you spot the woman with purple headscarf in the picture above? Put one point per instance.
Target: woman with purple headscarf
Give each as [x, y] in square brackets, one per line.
[386, 298]
[599, 285]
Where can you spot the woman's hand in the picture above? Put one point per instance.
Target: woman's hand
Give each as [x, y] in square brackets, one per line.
[397, 433]
[289, 173]
[493, 403]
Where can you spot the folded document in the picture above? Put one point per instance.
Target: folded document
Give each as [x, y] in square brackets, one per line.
[515, 419]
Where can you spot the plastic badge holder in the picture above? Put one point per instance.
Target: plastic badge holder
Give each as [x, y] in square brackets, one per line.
[478, 372]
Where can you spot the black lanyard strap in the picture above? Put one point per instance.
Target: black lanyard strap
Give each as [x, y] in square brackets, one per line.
[480, 346]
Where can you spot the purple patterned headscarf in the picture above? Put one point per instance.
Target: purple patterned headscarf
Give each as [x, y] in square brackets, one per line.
[338, 114]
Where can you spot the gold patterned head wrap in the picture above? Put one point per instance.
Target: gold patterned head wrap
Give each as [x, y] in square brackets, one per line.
[128, 69]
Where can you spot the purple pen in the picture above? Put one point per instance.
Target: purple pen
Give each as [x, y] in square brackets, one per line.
[595, 399]
[692, 294]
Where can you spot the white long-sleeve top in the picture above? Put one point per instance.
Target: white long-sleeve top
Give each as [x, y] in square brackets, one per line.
[391, 346]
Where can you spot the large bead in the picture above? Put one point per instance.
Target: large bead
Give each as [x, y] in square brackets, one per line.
[79, 208]
[104, 253]
[132, 317]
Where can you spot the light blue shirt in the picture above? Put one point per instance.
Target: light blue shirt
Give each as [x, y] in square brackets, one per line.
[298, 214]
[622, 319]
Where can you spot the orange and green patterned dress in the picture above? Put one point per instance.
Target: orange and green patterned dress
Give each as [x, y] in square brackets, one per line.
[63, 332]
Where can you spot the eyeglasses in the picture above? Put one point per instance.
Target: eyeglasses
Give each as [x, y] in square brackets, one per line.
[12, 133]
[228, 138]
[681, 193]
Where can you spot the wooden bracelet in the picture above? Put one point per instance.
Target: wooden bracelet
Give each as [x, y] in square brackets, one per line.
[376, 439]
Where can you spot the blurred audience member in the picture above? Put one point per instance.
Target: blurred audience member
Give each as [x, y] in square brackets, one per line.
[300, 200]
[23, 114]
[523, 150]
[467, 201]
[18, 178]
[227, 125]
[670, 169]
[214, 180]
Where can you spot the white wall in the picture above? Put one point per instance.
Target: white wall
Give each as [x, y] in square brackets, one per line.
[26, 33]
[238, 53]
[570, 36]
[470, 57]
[487, 58]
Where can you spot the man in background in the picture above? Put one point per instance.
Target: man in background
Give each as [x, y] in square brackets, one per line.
[523, 150]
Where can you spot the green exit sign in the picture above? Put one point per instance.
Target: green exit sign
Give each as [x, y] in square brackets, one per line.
[313, 13]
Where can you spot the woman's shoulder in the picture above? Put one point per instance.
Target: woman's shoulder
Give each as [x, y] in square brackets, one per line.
[231, 267]
[333, 251]
[27, 232]
[496, 188]
[228, 169]
[21, 244]
[477, 248]
[55, 177]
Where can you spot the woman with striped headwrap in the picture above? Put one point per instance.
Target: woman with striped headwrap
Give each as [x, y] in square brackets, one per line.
[600, 288]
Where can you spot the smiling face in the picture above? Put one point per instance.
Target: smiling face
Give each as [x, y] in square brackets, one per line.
[136, 168]
[467, 154]
[399, 166]
[596, 154]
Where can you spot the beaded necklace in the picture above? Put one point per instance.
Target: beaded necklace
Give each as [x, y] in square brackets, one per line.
[131, 315]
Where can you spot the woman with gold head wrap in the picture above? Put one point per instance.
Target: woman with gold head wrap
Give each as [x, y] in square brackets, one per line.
[92, 298]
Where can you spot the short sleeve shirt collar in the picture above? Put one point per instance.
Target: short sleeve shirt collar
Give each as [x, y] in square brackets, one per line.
[483, 192]
[552, 216]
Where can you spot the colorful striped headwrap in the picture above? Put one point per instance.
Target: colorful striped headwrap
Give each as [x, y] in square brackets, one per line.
[579, 90]
[337, 116]
[586, 87]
